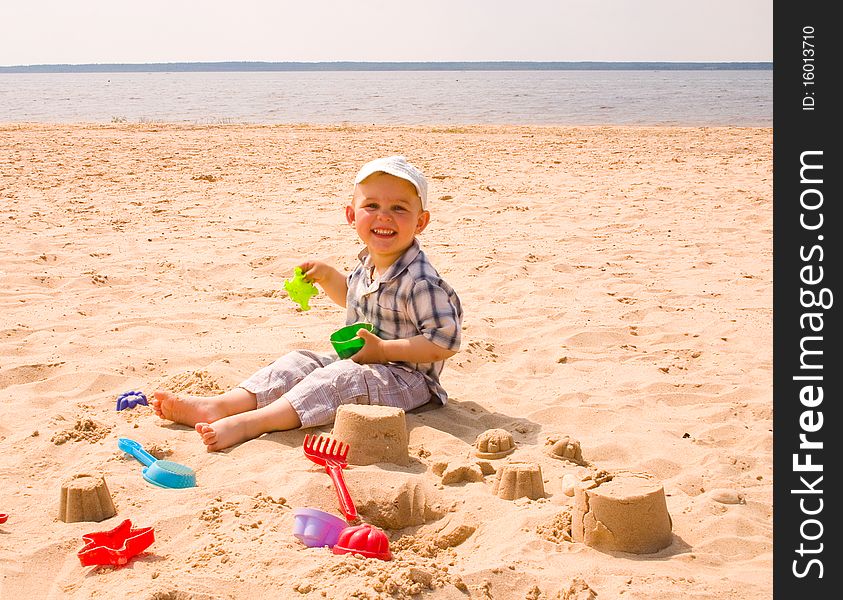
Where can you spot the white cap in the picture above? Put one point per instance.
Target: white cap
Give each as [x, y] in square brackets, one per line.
[399, 167]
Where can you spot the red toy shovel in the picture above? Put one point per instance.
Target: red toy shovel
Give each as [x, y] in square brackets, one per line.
[332, 455]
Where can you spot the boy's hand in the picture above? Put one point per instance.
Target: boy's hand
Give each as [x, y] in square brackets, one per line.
[316, 271]
[417, 349]
[372, 351]
[329, 279]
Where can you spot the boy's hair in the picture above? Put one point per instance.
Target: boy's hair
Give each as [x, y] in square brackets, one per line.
[398, 167]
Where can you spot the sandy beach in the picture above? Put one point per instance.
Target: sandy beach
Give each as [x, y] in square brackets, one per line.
[617, 289]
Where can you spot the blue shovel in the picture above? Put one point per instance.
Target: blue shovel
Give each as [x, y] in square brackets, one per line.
[163, 473]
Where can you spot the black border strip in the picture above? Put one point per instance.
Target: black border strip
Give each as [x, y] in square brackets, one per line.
[806, 328]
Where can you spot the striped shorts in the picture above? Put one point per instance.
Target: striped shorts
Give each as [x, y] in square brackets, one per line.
[315, 385]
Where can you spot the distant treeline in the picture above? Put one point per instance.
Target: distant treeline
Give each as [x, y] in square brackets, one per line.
[182, 67]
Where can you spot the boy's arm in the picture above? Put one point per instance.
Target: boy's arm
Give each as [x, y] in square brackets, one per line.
[329, 279]
[417, 349]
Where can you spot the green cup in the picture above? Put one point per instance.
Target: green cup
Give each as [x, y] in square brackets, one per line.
[345, 340]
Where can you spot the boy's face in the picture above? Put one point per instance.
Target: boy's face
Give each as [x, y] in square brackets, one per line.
[387, 214]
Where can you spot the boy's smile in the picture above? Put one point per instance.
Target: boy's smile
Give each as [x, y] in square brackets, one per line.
[387, 214]
[382, 232]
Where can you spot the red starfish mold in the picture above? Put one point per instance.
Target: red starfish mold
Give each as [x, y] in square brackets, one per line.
[3, 518]
[116, 546]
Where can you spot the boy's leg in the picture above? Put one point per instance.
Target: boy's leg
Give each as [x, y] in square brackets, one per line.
[316, 399]
[264, 387]
[273, 381]
[190, 410]
[233, 429]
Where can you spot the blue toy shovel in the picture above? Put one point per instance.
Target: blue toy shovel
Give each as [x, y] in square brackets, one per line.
[163, 473]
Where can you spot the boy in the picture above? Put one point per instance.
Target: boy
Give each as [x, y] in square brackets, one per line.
[417, 315]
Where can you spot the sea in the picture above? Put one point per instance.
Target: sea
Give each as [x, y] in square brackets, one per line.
[729, 97]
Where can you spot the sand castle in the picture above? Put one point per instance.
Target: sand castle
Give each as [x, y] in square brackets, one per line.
[374, 434]
[624, 511]
[494, 443]
[85, 498]
[519, 480]
[566, 448]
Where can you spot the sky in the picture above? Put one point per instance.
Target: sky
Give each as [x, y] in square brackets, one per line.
[117, 31]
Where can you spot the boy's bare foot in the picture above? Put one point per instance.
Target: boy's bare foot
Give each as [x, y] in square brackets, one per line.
[188, 410]
[243, 421]
[224, 433]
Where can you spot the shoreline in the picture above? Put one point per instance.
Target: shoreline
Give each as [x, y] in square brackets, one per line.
[433, 128]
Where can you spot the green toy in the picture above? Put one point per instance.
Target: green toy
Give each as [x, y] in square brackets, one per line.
[300, 290]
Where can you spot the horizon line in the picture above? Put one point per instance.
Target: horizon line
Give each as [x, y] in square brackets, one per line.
[384, 65]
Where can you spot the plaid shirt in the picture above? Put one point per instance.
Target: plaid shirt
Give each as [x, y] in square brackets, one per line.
[409, 299]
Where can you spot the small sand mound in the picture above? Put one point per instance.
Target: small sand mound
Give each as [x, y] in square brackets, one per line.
[557, 529]
[158, 450]
[404, 577]
[197, 383]
[459, 472]
[578, 590]
[456, 530]
[83, 430]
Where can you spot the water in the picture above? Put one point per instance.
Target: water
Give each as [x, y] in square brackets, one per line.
[698, 98]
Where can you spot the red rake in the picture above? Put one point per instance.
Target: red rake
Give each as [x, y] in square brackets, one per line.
[332, 454]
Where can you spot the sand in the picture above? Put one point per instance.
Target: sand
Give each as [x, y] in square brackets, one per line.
[617, 289]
